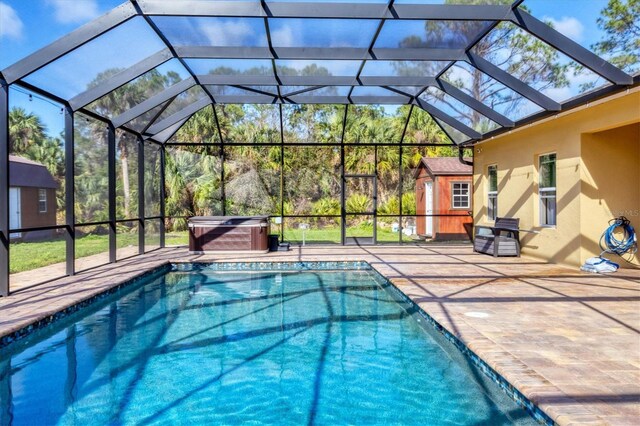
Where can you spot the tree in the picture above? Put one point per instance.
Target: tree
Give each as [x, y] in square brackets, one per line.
[620, 21]
[200, 128]
[192, 182]
[252, 175]
[91, 181]
[121, 100]
[311, 175]
[506, 46]
[423, 129]
[28, 138]
[48, 152]
[25, 130]
[312, 123]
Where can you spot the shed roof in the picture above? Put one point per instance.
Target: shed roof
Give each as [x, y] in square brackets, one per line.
[438, 166]
[27, 173]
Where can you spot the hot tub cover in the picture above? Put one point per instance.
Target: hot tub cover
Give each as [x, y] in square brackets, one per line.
[228, 220]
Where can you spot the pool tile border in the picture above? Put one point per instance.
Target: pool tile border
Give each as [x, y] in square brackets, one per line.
[360, 265]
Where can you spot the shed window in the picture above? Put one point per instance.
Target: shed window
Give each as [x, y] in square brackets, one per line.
[461, 195]
[547, 190]
[492, 194]
[42, 200]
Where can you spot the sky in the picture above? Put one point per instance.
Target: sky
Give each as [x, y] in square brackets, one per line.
[27, 25]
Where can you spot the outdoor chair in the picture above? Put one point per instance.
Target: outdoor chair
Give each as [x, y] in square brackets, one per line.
[501, 239]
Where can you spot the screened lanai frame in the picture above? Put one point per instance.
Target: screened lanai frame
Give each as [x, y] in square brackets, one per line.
[272, 87]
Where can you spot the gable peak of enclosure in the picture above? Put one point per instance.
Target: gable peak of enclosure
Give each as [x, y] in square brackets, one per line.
[476, 67]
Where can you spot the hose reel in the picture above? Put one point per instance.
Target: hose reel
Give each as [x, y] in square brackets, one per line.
[620, 239]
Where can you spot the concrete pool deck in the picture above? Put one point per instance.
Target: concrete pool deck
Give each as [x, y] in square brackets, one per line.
[569, 341]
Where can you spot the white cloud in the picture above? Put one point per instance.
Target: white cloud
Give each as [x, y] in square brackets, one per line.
[559, 94]
[568, 26]
[283, 36]
[227, 33]
[583, 77]
[74, 11]
[10, 23]
[287, 33]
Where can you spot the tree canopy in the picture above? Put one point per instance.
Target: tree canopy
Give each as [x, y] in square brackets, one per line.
[620, 21]
[262, 142]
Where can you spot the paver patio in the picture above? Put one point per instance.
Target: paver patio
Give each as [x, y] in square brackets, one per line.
[569, 341]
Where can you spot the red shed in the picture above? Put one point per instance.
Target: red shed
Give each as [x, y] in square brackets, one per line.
[443, 187]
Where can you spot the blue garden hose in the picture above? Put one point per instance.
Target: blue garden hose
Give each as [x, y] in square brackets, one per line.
[628, 244]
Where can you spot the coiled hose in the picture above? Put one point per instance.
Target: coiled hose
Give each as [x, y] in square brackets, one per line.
[628, 244]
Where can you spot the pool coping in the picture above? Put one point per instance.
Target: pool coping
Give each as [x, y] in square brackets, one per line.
[47, 318]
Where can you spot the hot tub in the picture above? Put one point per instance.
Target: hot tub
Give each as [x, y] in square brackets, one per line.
[228, 233]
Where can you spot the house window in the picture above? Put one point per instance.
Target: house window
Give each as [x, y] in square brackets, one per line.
[492, 200]
[42, 200]
[547, 190]
[461, 195]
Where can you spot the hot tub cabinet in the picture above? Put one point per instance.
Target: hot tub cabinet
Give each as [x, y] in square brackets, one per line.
[228, 233]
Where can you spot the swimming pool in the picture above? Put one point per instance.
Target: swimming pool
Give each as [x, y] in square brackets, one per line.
[263, 347]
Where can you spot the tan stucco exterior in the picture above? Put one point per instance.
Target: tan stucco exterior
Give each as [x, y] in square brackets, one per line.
[598, 176]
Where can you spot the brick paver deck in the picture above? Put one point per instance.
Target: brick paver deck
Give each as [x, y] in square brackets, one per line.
[569, 341]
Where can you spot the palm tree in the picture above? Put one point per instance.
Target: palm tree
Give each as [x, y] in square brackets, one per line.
[49, 153]
[200, 128]
[121, 100]
[25, 129]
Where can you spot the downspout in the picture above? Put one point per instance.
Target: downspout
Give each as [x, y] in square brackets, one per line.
[461, 157]
[468, 163]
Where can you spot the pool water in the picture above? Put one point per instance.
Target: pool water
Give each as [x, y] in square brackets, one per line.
[283, 348]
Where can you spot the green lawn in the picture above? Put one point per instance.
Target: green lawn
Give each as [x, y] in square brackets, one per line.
[322, 235]
[31, 255]
[177, 238]
[26, 256]
[332, 235]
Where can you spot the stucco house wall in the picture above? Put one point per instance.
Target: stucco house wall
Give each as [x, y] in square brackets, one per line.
[598, 176]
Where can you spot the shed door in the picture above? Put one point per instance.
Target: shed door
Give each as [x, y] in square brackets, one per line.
[14, 211]
[428, 195]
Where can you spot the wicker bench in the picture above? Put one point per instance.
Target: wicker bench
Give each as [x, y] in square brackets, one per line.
[502, 239]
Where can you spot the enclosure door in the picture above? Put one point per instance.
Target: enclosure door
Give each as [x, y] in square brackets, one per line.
[14, 211]
[428, 195]
[360, 195]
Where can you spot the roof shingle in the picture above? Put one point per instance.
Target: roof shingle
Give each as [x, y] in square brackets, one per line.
[446, 166]
[26, 173]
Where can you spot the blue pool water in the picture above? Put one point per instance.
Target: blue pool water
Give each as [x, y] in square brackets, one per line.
[206, 347]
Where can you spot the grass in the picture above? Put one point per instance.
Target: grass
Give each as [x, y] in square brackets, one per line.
[176, 238]
[25, 256]
[294, 235]
[333, 235]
